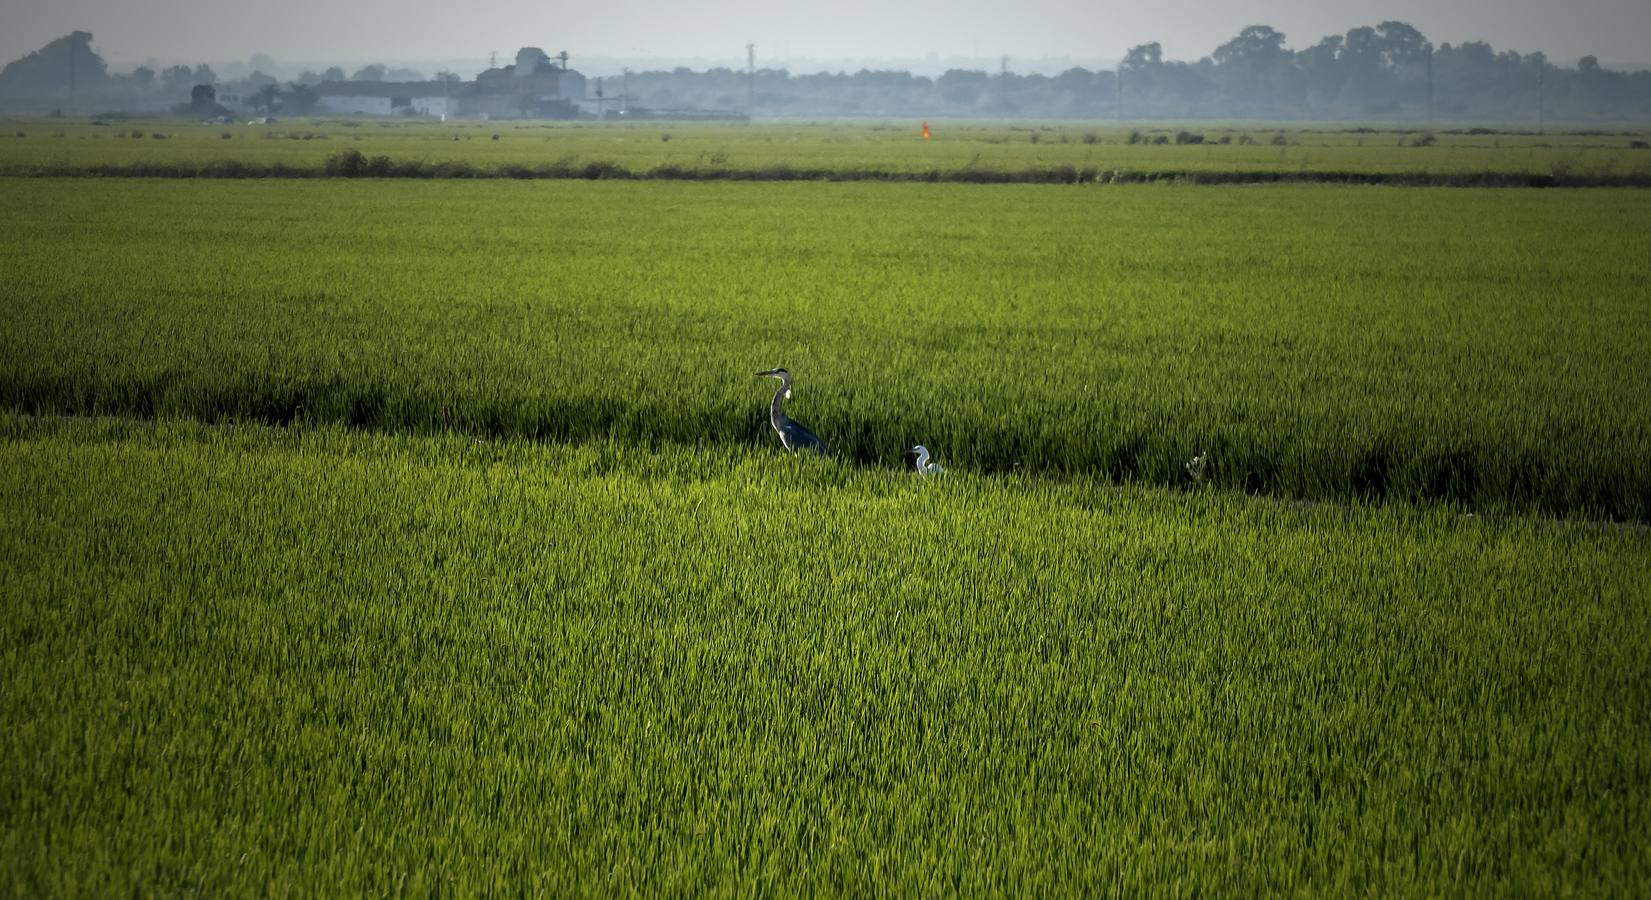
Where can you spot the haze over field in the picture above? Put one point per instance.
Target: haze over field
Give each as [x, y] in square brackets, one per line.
[1040, 34]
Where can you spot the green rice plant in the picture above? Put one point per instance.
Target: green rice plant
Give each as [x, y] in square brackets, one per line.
[329, 661]
[1476, 348]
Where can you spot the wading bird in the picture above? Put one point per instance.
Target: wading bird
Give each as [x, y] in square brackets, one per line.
[793, 435]
[918, 459]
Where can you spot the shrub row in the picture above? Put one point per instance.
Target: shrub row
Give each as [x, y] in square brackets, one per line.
[354, 164]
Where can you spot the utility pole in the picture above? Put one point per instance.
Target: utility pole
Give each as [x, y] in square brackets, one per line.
[599, 113]
[492, 59]
[1118, 89]
[750, 74]
[1430, 83]
[625, 95]
[1003, 79]
[1540, 111]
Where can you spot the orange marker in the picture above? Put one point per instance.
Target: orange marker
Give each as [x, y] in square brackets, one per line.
[925, 131]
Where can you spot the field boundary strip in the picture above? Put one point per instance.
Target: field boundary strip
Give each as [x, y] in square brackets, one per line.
[351, 165]
[109, 430]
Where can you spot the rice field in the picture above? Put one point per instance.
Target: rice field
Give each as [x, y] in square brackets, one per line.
[326, 661]
[891, 147]
[1481, 348]
[407, 537]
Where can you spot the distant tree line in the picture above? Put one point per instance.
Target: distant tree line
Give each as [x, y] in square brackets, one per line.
[1388, 71]
[68, 74]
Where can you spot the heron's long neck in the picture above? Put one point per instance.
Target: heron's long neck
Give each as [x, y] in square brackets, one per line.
[775, 414]
[923, 460]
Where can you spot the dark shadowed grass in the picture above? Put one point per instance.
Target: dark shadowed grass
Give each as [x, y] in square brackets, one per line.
[355, 164]
[332, 662]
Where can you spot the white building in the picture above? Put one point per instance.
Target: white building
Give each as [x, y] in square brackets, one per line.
[388, 98]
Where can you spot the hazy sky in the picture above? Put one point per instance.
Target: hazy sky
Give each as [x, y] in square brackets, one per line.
[351, 31]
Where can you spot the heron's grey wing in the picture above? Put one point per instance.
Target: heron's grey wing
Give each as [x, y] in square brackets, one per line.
[800, 438]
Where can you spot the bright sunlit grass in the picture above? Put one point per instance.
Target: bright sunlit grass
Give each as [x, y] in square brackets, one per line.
[341, 663]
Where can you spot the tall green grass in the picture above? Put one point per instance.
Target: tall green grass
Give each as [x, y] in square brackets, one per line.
[324, 661]
[1479, 348]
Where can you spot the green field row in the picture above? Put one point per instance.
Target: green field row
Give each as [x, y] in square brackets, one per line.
[329, 662]
[888, 147]
[1477, 347]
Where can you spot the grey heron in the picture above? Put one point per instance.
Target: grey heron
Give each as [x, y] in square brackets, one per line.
[918, 459]
[794, 436]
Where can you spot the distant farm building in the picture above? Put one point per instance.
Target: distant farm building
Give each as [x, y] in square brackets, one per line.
[537, 86]
[389, 98]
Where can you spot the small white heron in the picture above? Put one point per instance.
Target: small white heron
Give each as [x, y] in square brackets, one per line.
[794, 436]
[917, 458]
[1195, 468]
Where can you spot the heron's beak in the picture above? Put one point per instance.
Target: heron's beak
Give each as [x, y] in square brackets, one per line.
[767, 374]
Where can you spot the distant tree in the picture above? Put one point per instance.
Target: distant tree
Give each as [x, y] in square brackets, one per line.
[177, 79]
[266, 98]
[1144, 57]
[1139, 72]
[309, 76]
[68, 62]
[374, 72]
[333, 73]
[1361, 51]
[1401, 44]
[1181, 87]
[1363, 64]
[203, 74]
[1321, 69]
[962, 87]
[1076, 80]
[300, 98]
[1258, 74]
[143, 77]
[1255, 46]
[450, 77]
[1468, 77]
[403, 75]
